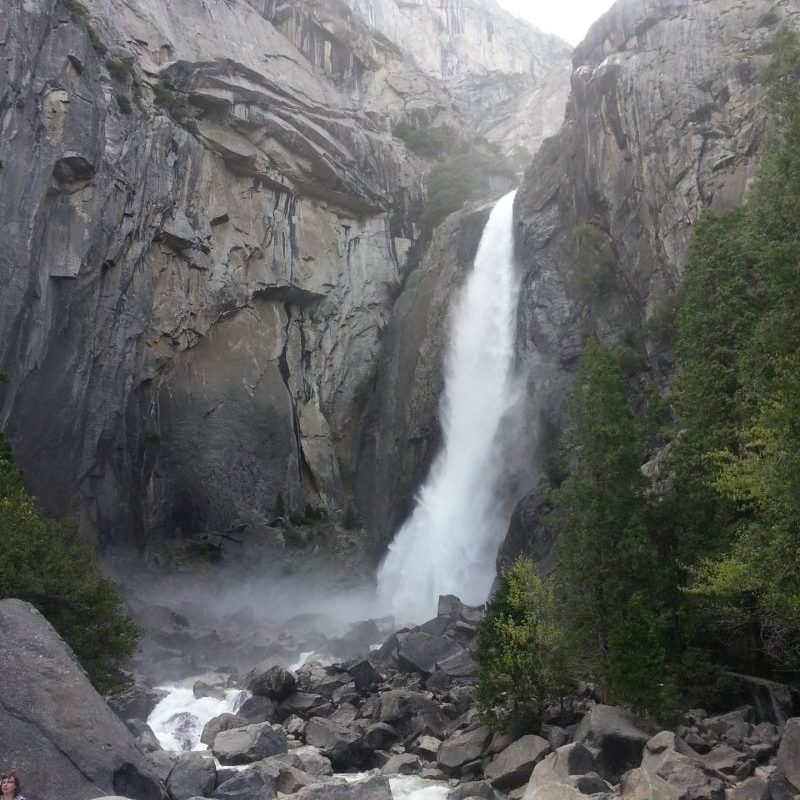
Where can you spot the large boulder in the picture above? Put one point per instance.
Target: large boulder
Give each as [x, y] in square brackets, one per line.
[566, 774]
[249, 744]
[615, 737]
[419, 651]
[54, 727]
[223, 722]
[512, 767]
[193, 775]
[410, 712]
[374, 788]
[249, 784]
[463, 748]
[344, 746]
[788, 759]
[670, 770]
[276, 683]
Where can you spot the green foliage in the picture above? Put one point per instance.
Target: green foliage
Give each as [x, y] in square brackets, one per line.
[123, 103]
[120, 68]
[62, 579]
[596, 271]
[661, 327]
[461, 179]
[427, 141]
[80, 15]
[176, 107]
[606, 555]
[520, 652]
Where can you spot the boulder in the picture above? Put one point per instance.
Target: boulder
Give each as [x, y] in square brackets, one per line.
[671, 770]
[305, 758]
[162, 763]
[462, 748]
[54, 726]
[720, 724]
[373, 788]
[410, 712]
[381, 736]
[302, 704]
[249, 744]
[249, 784]
[426, 747]
[402, 764]
[257, 709]
[202, 689]
[223, 722]
[788, 758]
[513, 766]
[345, 714]
[364, 674]
[276, 683]
[558, 774]
[194, 774]
[345, 747]
[479, 789]
[460, 665]
[616, 738]
[724, 758]
[292, 780]
[137, 702]
[418, 651]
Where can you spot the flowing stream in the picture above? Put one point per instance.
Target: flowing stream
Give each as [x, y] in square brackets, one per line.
[449, 543]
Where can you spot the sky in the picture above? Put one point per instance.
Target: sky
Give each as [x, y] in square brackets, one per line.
[569, 19]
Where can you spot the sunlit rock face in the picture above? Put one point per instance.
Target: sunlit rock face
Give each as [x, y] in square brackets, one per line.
[665, 119]
[203, 232]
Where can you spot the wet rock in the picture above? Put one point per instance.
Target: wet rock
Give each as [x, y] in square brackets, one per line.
[381, 736]
[345, 747]
[308, 759]
[193, 774]
[364, 674]
[422, 651]
[402, 764]
[223, 722]
[513, 766]
[250, 784]
[301, 704]
[276, 683]
[248, 744]
[374, 788]
[257, 709]
[479, 789]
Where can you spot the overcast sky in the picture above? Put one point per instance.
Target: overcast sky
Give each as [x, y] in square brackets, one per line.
[569, 19]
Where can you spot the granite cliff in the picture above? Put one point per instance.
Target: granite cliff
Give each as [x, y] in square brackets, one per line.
[206, 219]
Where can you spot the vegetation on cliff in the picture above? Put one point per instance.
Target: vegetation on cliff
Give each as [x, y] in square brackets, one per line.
[46, 565]
[665, 587]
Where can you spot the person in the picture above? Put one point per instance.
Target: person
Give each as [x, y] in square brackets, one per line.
[9, 786]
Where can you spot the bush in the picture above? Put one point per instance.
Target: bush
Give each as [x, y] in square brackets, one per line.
[62, 579]
[427, 141]
[519, 652]
[176, 107]
[123, 103]
[120, 68]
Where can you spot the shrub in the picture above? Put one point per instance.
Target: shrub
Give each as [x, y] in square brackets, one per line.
[176, 107]
[519, 652]
[120, 68]
[61, 577]
[123, 103]
[80, 15]
[427, 141]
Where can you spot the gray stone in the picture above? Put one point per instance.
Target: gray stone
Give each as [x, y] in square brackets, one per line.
[462, 748]
[479, 789]
[223, 722]
[364, 674]
[194, 774]
[276, 683]
[410, 712]
[51, 714]
[307, 759]
[788, 759]
[248, 744]
[402, 764]
[344, 746]
[514, 765]
[249, 784]
[380, 736]
[616, 737]
[373, 788]
[422, 651]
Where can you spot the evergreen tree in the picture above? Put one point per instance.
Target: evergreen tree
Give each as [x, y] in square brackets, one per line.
[519, 652]
[62, 579]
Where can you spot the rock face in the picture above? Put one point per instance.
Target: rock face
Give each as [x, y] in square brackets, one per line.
[663, 121]
[51, 715]
[201, 244]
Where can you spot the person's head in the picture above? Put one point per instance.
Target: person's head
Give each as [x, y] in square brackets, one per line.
[9, 782]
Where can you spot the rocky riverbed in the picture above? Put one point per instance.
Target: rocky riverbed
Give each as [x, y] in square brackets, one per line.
[396, 721]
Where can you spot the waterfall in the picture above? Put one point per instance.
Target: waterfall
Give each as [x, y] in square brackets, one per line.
[449, 543]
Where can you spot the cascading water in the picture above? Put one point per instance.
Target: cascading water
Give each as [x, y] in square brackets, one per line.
[449, 543]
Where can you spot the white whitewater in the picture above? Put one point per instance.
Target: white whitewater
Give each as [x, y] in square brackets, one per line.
[449, 543]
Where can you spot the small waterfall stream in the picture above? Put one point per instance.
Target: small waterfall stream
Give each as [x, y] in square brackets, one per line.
[450, 541]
